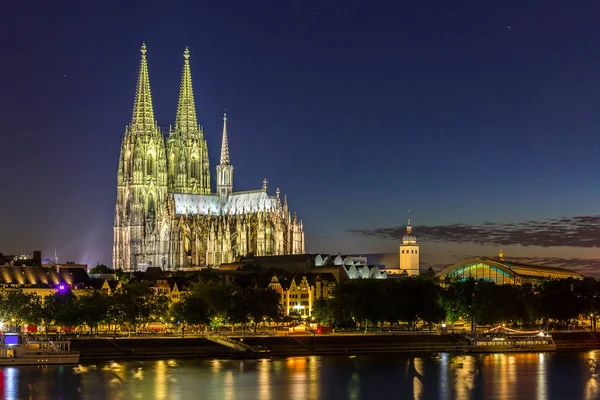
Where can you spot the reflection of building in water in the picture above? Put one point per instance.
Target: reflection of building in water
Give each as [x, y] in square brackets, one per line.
[501, 271]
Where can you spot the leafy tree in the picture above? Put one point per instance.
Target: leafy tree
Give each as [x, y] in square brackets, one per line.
[94, 309]
[18, 307]
[63, 309]
[191, 310]
[134, 304]
[101, 269]
[320, 312]
[559, 301]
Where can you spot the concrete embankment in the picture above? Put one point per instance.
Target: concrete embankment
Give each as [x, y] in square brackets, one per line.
[576, 340]
[141, 348]
[296, 345]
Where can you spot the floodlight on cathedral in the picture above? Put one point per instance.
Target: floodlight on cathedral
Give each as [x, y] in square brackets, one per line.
[166, 214]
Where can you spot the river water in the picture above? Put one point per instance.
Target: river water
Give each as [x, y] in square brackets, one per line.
[400, 376]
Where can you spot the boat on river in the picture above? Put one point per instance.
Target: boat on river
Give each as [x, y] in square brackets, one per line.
[16, 349]
[504, 340]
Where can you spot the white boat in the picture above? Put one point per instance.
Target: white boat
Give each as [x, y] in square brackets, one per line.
[503, 340]
[19, 350]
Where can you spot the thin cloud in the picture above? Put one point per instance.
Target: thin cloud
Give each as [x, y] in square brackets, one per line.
[581, 231]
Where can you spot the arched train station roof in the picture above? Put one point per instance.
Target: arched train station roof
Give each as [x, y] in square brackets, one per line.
[503, 271]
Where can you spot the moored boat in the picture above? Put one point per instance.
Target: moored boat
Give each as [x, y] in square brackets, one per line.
[19, 350]
[503, 340]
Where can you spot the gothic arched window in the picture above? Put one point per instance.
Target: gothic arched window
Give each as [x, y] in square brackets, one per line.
[149, 165]
[150, 207]
[194, 169]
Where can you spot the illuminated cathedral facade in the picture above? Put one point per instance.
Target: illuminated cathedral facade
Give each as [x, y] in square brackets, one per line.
[166, 215]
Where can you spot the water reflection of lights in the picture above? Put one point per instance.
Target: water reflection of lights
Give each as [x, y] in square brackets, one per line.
[11, 383]
[264, 379]
[417, 384]
[228, 386]
[592, 389]
[160, 386]
[354, 386]
[512, 372]
[216, 366]
[464, 374]
[313, 377]
[444, 390]
[296, 366]
[542, 383]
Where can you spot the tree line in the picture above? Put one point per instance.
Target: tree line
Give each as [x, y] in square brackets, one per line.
[137, 304]
[413, 302]
[408, 303]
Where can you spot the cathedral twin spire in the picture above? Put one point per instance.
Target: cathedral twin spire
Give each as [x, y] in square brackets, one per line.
[143, 112]
[186, 122]
[187, 154]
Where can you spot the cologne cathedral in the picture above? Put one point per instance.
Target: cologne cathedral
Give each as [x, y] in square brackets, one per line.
[166, 215]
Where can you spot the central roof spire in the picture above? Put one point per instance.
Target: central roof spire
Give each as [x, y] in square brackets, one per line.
[224, 143]
[142, 119]
[186, 122]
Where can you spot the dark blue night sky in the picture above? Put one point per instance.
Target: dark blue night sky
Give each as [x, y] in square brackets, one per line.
[477, 116]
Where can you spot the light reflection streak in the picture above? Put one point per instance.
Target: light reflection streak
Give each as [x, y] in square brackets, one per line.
[160, 386]
[354, 386]
[417, 384]
[464, 376]
[296, 367]
[512, 374]
[216, 366]
[444, 390]
[313, 377]
[592, 389]
[264, 380]
[11, 383]
[228, 386]
[542, 384]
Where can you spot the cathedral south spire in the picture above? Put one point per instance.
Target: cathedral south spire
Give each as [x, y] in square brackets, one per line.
[224, 169]
[186, 122]
[142, 119]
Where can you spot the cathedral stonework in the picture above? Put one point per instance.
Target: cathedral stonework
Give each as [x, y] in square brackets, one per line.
[166, 215]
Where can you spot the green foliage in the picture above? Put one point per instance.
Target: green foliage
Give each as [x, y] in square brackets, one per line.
[101, 269]
[94, 309]
[136, 303]
[19, 308]
[191, 310]
[320, 312]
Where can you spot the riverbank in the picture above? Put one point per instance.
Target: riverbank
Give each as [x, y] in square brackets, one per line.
[296, 345]
[279, 346]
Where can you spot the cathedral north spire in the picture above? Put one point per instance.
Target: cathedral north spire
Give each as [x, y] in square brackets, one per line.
[142, 119]
[186, 122]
